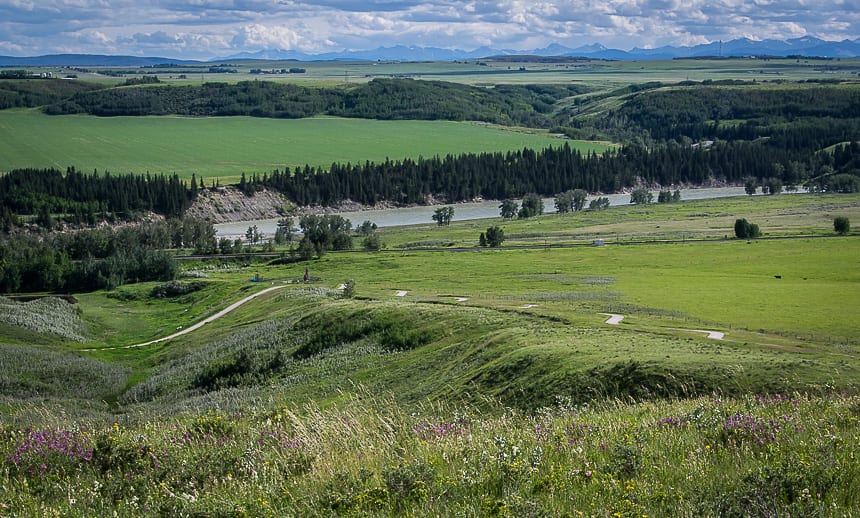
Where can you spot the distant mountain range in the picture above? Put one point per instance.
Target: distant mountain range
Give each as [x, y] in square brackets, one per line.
[806, 46]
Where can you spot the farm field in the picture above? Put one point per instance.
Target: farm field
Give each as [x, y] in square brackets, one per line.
[492, 72]
[226, 147]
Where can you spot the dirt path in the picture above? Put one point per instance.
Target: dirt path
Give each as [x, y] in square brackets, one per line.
[713, 335]
[613, 318]
[198, 325]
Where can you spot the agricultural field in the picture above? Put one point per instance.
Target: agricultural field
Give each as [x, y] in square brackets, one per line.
[504, 71]
[225, 147]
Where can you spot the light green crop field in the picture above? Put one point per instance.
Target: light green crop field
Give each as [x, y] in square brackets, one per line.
[488, 72]
[226, 147]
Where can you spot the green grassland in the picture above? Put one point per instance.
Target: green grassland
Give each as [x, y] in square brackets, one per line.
[778, 216]
[228, 146]
[518, 401]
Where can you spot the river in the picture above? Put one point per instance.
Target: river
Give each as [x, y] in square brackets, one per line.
[462, 211]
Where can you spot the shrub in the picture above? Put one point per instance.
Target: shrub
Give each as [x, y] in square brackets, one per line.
[372, 243]
[746, 230]
[641, 196]
[494, 236]
[176, 288]
[841, 225]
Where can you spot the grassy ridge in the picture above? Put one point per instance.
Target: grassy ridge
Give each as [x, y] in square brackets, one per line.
[782, 334]
[530, 329]
[227, 147]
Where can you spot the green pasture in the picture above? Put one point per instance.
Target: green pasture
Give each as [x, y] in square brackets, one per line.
[809, 214]
[731, 285]
[226, 147]
[728, 286]
[530, 329]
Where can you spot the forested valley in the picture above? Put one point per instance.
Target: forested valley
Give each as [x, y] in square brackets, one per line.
[776, 137]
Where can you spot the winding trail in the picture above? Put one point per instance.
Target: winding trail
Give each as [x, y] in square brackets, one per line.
[198, 325]
[713, 335]
[614, 319]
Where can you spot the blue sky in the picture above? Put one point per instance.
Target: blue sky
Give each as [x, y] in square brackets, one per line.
[203, 29]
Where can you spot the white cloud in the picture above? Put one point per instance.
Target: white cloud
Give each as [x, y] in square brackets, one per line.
[209, 28]
[258, 36]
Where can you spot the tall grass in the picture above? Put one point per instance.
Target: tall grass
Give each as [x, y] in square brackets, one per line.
[766, 455]
[44, 315]
[28, 372]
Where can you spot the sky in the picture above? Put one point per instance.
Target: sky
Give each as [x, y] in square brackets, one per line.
[207, 29]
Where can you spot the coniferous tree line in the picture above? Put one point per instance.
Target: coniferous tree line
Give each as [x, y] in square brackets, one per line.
[554, 170]
[85, 198]
[99, 258]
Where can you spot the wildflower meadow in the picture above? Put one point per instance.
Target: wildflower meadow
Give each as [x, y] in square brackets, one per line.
[766, 455]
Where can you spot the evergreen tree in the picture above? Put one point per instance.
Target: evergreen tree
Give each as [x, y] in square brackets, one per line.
[508, 208]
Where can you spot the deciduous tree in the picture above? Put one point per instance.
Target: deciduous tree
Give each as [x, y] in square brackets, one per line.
[443, 215]
[532, 205]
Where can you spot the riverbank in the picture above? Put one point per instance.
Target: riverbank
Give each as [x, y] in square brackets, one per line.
[390, 216]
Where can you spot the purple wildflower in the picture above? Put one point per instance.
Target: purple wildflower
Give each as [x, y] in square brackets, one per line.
[670, 421]
[46, 448]
[747, 427]
[427, 430]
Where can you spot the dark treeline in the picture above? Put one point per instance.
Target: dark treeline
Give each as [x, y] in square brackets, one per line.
[378, 99]
[85, 198]
[99, 258]
[31, 92]
[554, 170]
